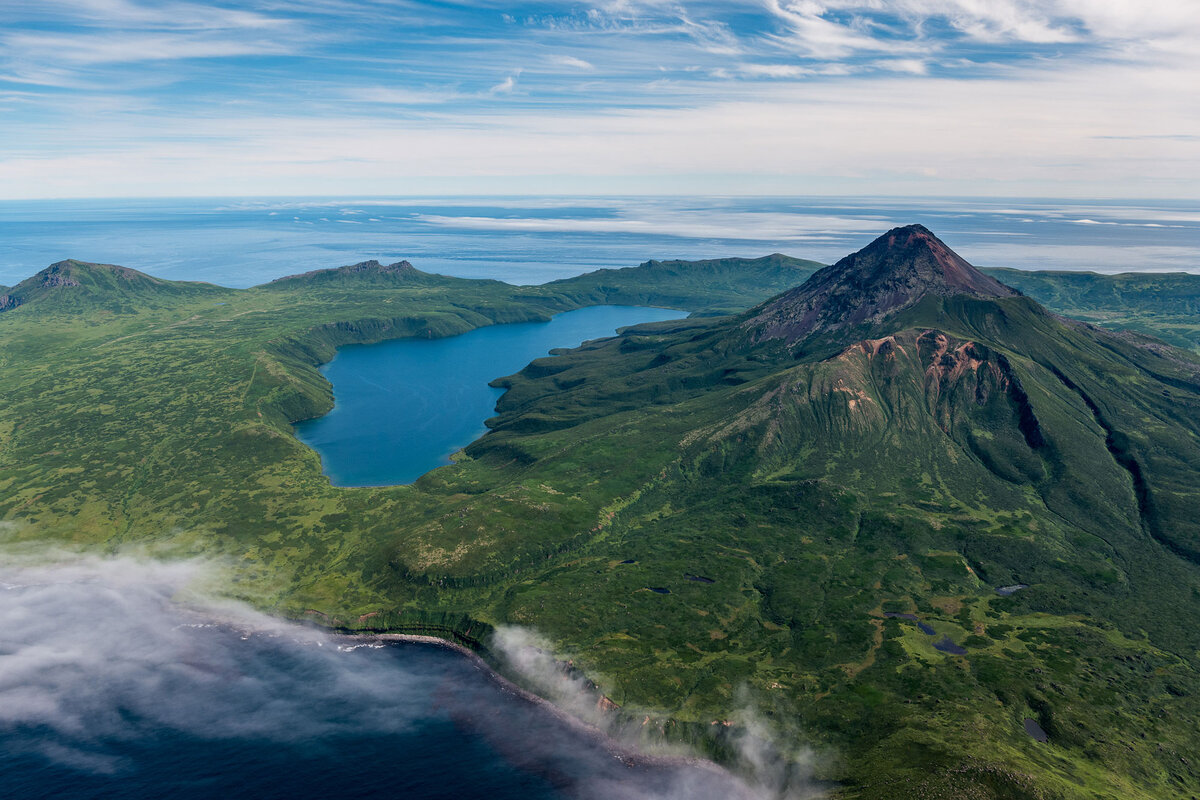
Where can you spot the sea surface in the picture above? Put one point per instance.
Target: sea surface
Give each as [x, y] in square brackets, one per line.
[242, 242]
[403, 407]
[112, 688]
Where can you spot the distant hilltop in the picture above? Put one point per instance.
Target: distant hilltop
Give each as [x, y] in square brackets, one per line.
[82, 284]
[707, 287]
[362, 272]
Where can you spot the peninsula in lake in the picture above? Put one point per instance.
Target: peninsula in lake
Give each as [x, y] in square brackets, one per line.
[935, 529]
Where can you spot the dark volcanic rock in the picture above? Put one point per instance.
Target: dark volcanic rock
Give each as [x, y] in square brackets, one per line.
[888, 275]
[57, 275]
[72, 272]
[375, 266]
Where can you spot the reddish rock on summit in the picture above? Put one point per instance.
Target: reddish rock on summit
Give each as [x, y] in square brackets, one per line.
[890, 274]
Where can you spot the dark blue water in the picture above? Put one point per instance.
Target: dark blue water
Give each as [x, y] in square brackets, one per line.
[240, 242]
[442, 750]
[402, 408]
[947, 645]
[108, 689]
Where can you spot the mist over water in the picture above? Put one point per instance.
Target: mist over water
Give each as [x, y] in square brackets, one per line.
[118, 680]
[241, 242]
[767, 767]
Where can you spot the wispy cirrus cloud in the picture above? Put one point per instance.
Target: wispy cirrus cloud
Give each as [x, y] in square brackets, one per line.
[505, 86]
[839, 27]
[87, 49]
[125, 14]
[571, 61]
[1074, 92]
[399, 96]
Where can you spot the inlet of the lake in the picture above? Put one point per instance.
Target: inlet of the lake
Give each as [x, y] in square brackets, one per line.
[403, 407]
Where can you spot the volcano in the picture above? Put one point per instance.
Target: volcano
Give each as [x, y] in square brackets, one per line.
[900, 438]
[891, 274]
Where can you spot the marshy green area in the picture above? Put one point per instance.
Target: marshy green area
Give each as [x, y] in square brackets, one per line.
[790, 496]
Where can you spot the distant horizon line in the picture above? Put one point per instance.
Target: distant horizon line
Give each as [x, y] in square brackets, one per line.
[604, 195]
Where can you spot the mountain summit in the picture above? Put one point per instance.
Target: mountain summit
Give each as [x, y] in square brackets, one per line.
[73, 285]
[362, 274]
[892, 273]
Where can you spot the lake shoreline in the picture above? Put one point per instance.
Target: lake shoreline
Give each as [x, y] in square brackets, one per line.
[402, 407]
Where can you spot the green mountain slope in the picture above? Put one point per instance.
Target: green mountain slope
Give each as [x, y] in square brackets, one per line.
[82, 286]
[709, 515]
[1170, 293]
[715, 286]
[1164, 305]
[950, 444]
[365, 275]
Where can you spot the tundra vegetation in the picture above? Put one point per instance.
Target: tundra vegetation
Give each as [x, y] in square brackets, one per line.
[916, 519]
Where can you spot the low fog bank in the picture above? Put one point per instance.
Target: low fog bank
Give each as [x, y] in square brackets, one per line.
[100, 653]
[766, 768]
[97, 651]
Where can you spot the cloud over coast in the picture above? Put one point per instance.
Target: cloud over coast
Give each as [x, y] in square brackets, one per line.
[101, 658]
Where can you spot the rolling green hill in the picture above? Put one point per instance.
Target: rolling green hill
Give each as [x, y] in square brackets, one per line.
[1164, 305]
[365, 275]
[1169, 293]
[900, 510]
[712, 287]
[84, 287]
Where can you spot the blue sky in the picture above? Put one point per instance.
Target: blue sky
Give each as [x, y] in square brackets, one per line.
[1084, 98]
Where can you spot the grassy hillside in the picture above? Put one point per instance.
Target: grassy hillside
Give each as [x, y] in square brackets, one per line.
[1164, 305]
[826, 496]
[82, 287]
[834, 506]
[135, 406]
[712, 287]
[701, 518]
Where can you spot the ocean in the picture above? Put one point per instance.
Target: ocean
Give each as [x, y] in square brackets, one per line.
[119, 679]
[242, 242]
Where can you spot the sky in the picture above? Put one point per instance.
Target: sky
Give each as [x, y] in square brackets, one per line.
[1052, 98]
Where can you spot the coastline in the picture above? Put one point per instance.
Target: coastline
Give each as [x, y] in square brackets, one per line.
[164, 606]
[627, 754]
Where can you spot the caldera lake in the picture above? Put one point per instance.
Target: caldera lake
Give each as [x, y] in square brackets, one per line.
[404, 406]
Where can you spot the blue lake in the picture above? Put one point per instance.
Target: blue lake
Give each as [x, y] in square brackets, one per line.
[403, 407]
